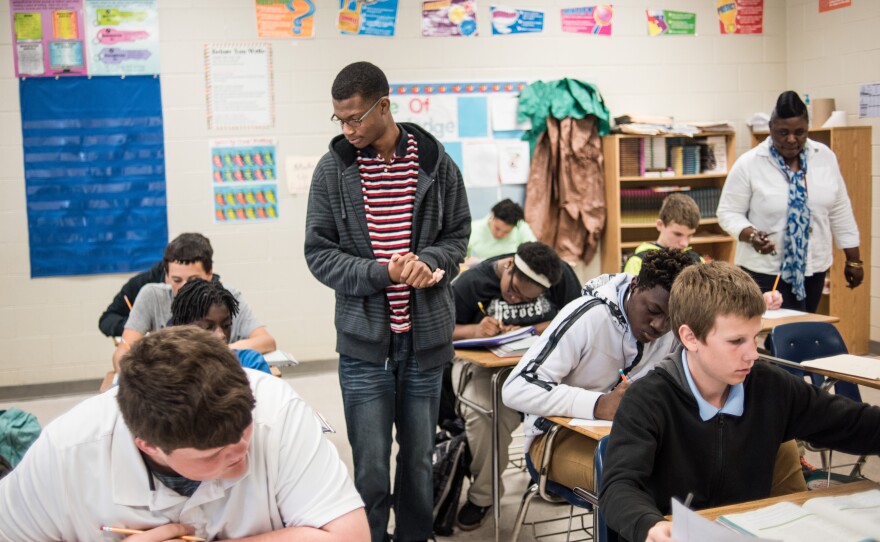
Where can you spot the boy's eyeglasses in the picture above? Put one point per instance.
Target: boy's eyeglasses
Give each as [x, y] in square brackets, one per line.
[354, 123]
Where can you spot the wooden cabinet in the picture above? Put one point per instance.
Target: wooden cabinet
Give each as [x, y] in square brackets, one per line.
[852, 145]
[628, 178]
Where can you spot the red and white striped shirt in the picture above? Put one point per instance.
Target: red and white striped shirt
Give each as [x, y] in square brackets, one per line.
[389, 190]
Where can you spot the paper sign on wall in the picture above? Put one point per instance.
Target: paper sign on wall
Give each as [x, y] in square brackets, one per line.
[588, 20]
[513, 161]
[48, 37]
[244, 179]
[666, 22]
[239, 85]
[373, 18]
[454, 18]
[285, 18]
[299, 170]
[740, 16]
[123, 37]
[828, 5]
[507, 20]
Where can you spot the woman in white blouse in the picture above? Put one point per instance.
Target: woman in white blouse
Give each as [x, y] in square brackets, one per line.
[785, 200]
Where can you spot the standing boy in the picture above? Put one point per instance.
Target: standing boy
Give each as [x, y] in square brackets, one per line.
[709, 420]
[387, 217]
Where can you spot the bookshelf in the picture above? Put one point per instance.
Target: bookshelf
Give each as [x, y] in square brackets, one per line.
[636, 183]
[852, 146]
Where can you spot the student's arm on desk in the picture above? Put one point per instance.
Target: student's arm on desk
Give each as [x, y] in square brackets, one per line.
[260, 340]
[488, 327]
[350, 527]
[129, 337]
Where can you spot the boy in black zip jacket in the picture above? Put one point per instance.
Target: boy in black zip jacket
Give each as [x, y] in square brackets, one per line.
[709, 420]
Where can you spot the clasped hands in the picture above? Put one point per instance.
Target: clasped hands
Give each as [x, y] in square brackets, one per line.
[408, 269]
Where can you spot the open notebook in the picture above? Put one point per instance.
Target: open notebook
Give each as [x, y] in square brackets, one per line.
[497, 340]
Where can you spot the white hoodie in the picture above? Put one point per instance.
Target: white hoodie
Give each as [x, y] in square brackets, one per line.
[585, 361]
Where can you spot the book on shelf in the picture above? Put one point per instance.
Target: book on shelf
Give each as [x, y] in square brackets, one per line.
[629, 118]
[497, 340]
[713, 126]
[515, 348]
[842, 518]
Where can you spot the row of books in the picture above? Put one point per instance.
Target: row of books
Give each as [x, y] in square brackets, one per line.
[671, 156]
[642, 205]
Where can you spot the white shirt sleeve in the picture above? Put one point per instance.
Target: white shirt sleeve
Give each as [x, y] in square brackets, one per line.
[736, 195]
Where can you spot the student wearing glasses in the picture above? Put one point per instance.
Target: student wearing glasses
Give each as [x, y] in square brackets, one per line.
[387, 226]
[523, 289]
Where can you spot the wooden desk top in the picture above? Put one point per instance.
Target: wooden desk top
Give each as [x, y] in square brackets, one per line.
[595, 433]
[796, 498]
[769, 323]
[485, 358]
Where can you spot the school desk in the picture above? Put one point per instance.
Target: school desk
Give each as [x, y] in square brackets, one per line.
[595, 433]
[831, 377]
[769, 323]
[503, 366]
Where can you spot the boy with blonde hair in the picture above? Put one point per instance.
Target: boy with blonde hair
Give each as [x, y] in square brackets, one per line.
[709, 420]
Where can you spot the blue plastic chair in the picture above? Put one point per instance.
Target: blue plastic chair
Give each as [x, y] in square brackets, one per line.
[550, 490]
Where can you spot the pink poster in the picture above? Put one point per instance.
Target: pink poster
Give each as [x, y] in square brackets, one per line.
[588, 20]
[455, 18]
[47, 37]
[740, 16]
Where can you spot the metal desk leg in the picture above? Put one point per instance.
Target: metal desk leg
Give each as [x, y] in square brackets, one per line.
[499, 376]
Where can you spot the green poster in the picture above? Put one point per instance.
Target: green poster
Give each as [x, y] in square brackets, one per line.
[28, 26]
[681, 22]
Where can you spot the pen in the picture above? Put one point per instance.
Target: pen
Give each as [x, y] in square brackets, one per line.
[122, 530]
[127, 302]
[688, 500]
[776, 282]
[623, 376]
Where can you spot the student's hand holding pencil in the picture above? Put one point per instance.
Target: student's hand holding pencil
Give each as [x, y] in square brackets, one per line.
[607, 404]
[773, 300]
[489, 327]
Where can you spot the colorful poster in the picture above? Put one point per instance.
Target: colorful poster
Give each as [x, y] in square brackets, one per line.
[461, 116]
[48, 37]
[94, 174]
[516, 21]
[449, 18]
[740, 16]
[588, 20]
[245, 179]
[123, 37]
[829, 5]
[367, 17]
[666, 22]
[285, 18]
[239, 85]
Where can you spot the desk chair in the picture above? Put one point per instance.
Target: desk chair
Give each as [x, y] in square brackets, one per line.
[551, 491]
[802, 341]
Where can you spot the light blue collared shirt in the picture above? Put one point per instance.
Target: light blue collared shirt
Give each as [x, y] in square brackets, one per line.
[732, 407]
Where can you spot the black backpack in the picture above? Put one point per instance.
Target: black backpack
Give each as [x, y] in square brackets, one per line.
[450, 460]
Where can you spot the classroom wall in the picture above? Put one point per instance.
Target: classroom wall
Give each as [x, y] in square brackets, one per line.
[829, 56]
[48, 327]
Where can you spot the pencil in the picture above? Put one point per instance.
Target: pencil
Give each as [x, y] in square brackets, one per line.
[776, 282]
[123, 530]
[623, 376]
[127, 302]
[480, 305]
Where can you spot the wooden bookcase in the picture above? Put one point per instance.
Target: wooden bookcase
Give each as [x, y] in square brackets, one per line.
[852, 145]
[622, 236]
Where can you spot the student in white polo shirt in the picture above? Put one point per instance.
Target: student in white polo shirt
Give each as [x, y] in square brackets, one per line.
[188, 444]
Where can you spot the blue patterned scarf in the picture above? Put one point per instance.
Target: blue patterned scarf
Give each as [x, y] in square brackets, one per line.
[797, 227]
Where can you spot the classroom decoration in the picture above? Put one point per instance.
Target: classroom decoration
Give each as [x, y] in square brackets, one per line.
[298, 171]
[588, 20]
[122, 37]
[239, 85]
[740, 16]
[666, 22]
[285, 18]
[94, 165]
[454, 18]
[829, 5]
[47, 37]
[245, 179]
[367, 18]
[869, 100]
[507, 20]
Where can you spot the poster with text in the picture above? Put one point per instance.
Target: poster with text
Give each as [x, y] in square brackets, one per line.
[244, 179]
[47, 37]
[507, 21]
[665, 22]
[367, 17]
[449, 18]
[239, 85]
[461, 116]
[740, 16]
[588, 20]
[830, 5]
[122, 37]
[285, 18]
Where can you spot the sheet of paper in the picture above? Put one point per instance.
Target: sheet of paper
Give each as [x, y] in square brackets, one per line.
[513, 161]
[848, 364]
[583, 422]
[299, 171]
[788, 522]
[781, 313]
[124, 37]
[239, 82]
[689, 526]
[480, 163]
[503, 110]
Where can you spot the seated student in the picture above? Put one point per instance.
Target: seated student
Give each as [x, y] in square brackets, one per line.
[189, 443]
[112, 321]
[499, 233]
[709, 420]
[185, 258]
[523, 289]
[619, 324]
[209, 306]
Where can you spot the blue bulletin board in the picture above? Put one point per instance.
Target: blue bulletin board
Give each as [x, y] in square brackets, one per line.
[476, 122]
[94, 165]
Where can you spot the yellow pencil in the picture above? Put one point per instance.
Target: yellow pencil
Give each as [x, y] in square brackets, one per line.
[776, 283]
[127, 302]
[480, 305]
[122, 530]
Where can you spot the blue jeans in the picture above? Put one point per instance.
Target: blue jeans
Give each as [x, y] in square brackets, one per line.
[375, 397]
